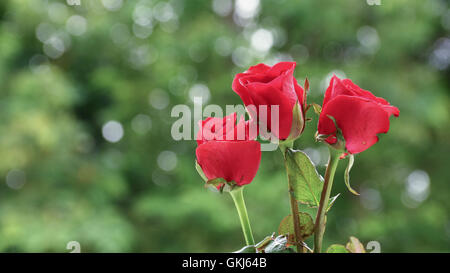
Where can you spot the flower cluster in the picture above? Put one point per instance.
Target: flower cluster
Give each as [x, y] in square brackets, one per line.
[228, 154]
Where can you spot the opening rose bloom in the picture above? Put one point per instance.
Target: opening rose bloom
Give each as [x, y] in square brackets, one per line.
[358, 113]
[263, 85]
[228, 150]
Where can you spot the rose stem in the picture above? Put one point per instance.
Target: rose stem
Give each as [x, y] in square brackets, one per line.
[238, 198]
[294, 204]
[319, 228]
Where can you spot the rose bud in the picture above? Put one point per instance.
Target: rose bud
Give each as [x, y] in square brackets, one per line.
[354, 114]
[263, 85]
[227, 154]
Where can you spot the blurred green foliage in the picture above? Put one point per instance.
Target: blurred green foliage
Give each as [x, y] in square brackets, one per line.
[66, 71]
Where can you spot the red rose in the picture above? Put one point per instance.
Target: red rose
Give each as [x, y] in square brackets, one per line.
[276, 85]
[226, 129]
[223, 153]
[357, 112]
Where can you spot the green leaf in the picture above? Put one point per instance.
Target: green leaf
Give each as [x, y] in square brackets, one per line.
[287, 227]
[337, 249]
[355, 246]
[347, 174]
[278, 245]
[306, 182]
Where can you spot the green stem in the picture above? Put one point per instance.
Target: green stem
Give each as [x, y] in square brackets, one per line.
[294, 204]
[319, 229]
[238, 198]
[295, 218]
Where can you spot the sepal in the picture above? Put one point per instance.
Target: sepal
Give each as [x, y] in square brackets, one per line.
[298, 124]
[351, 159]
[218, 183]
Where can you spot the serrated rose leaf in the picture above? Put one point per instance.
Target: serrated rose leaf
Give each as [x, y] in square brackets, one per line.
[335, 248]
[306, 182]
[355, 246]
[287, 227]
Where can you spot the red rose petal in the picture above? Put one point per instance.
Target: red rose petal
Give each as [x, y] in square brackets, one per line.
[259, 68]
[225, 129]
[359, 119]
[236, 161]
[268, 94]
[262, 85]
[339, 87]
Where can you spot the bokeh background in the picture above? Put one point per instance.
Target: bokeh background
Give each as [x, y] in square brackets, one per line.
[86, 94]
